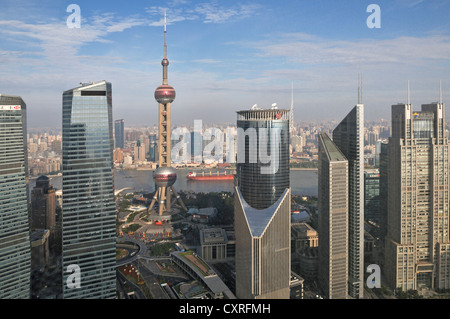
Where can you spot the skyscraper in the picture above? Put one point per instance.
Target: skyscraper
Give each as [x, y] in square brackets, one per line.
[263, 205]
[333, 207]
[165, 175]
[89, 212]
[43, 204]
[417, 243]
[119, 133]
[349, 138]
[262, 168]
[15, 250]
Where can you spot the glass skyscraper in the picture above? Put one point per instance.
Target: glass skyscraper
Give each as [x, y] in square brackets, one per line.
[89, 216]
[119, 133]
[262, 167]
[263, 205]
[15, 250]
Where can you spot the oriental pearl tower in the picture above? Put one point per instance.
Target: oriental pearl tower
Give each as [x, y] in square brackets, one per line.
[165, 175]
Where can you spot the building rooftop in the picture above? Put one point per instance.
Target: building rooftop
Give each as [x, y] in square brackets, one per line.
[212, 235]
[333, 152]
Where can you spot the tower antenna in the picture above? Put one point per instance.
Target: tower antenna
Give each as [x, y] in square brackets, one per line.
[360, 88]
[409, 101]
[291, 116]
[440, 91]
[165, 33]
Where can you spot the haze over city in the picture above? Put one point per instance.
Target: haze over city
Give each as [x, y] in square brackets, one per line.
[226, 56]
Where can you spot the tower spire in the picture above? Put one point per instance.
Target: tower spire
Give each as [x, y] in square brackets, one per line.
[409, 101]
[360, 88]
[165, 33]
[440, 91]
[165, 61]
[291, 115]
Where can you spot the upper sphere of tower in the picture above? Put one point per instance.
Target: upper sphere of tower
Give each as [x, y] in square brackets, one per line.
[165, 62]
[165, 94]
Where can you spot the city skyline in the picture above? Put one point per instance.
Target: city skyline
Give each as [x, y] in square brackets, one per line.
[228, 53]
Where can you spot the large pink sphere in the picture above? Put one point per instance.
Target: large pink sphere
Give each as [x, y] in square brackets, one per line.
[165, 176]
[165, 94]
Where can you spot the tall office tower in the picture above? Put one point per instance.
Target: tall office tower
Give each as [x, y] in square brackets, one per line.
[43, 204]
[262, 168]
[165, 175]
[333, 207]
[119, 133]
[88, 210]
[349, 138]
[15, 250]
[417, 244]
[263, 205]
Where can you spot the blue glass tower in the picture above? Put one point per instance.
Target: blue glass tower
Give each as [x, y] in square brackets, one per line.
[89, 216]
[15, 251]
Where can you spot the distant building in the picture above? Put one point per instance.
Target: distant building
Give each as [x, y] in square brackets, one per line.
[43, 204]
[119, 133]
[15, 250]
[372, 202]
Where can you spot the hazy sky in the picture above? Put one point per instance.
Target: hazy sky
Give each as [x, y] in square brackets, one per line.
[226, 56]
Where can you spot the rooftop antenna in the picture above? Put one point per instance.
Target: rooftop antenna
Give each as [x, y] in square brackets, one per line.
[291, 115]
[408, 95]
[165, 32]
[440, 91]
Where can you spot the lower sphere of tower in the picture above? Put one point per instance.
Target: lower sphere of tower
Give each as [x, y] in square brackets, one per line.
[165, 176]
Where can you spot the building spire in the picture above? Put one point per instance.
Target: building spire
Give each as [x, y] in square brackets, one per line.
[165, 61]
[360, 86]
[291, 115]
[165, 33]
[409, 100]
[440, 91]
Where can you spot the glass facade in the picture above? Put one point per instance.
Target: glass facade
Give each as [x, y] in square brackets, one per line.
[262, 167]
[89, 216]
[15, 250]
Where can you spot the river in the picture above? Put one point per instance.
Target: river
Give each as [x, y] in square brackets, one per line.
[303, 182]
